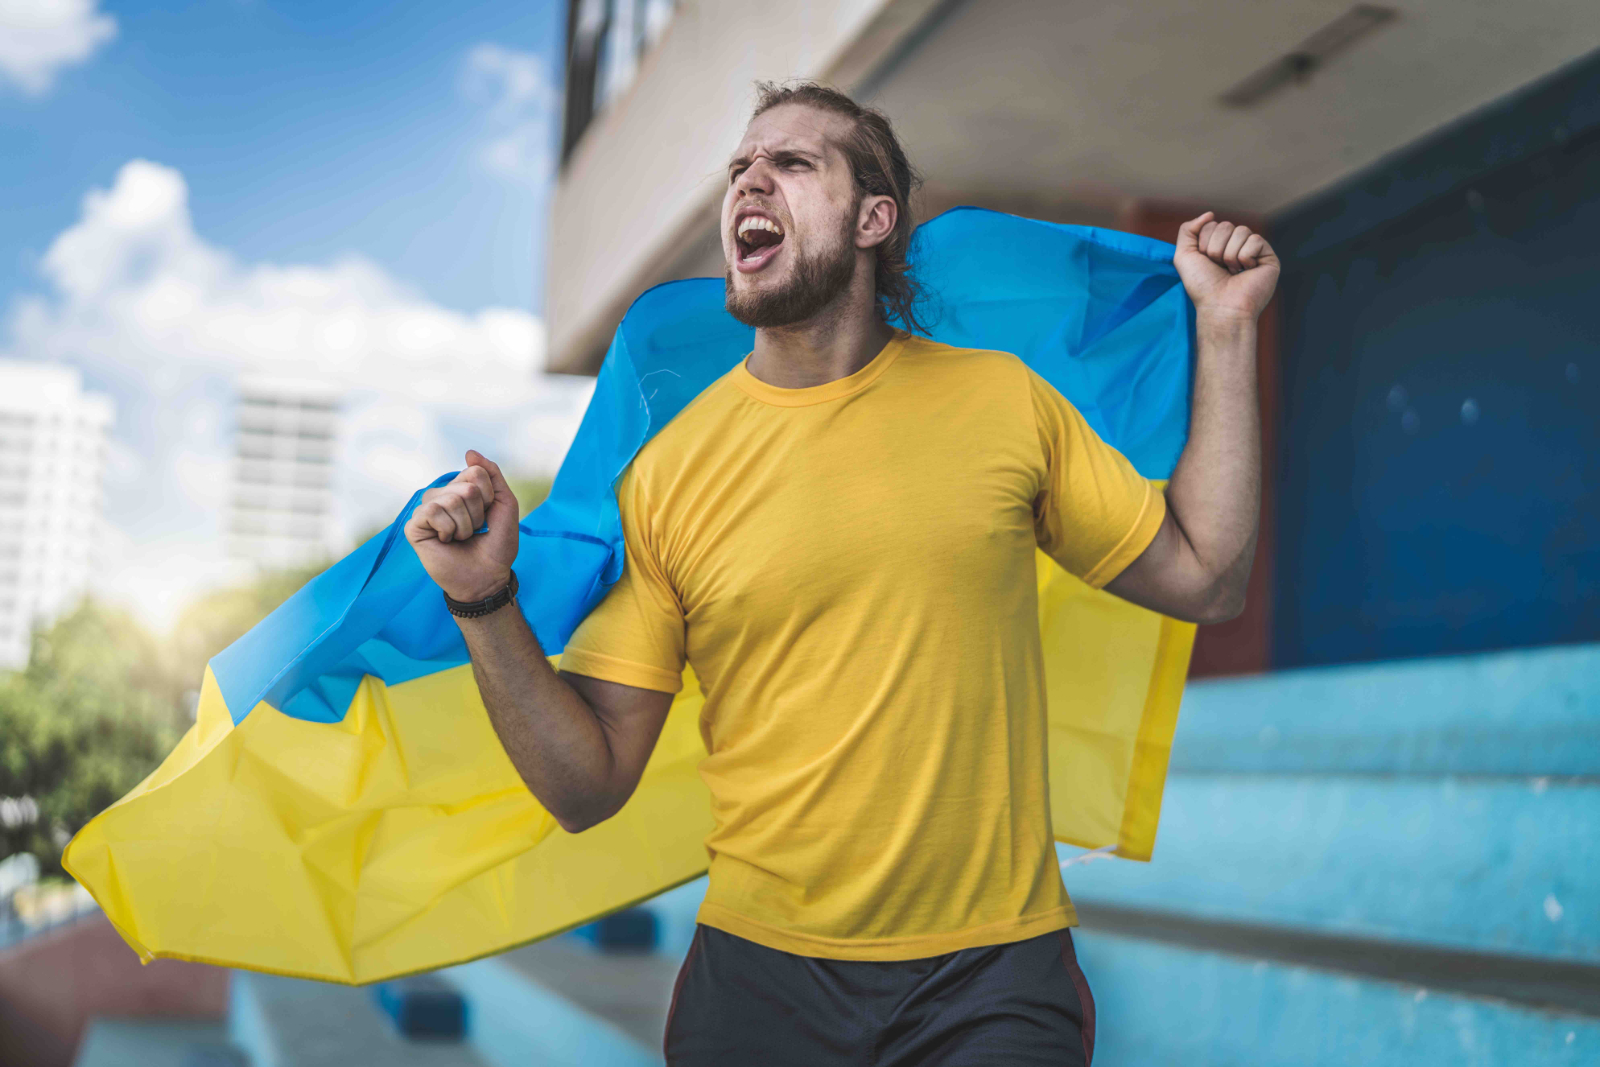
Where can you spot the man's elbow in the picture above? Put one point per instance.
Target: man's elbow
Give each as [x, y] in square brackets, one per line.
[577, 824]
[1223, 605]
[576, 818]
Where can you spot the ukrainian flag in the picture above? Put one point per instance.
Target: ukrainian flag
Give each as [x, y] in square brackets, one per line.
[341, 808]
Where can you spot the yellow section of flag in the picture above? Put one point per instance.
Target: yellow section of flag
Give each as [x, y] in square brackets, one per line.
[401, 839]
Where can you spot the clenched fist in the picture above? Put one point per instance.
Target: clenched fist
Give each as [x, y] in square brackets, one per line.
[465, 564]
[1228, 271]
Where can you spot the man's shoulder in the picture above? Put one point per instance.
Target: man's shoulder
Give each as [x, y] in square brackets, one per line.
[936, 357]
[967, 369]
[939, 353]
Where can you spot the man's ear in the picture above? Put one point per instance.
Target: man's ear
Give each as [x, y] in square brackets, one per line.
[876, 220]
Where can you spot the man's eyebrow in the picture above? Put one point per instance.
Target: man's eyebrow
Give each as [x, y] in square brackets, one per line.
[777, 156]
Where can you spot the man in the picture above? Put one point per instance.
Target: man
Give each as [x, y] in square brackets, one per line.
[839, 537]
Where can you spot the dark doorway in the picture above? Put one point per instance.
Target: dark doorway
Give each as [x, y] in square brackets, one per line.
[1439, 484]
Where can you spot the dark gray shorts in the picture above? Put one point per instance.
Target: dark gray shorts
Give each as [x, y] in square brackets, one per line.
[1017, 1005]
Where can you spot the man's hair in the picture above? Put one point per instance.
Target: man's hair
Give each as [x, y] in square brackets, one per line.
[880, 168]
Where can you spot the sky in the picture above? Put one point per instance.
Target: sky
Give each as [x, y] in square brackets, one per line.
[351, 192]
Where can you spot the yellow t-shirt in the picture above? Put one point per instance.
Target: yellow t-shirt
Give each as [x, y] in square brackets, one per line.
[849, 569]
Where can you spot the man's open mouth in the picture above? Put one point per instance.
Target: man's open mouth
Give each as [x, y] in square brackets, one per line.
[758, 239]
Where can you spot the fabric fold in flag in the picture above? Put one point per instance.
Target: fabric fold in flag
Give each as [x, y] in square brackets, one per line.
[341, 808]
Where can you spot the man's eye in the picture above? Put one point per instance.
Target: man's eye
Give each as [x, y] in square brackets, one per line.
[793, 163]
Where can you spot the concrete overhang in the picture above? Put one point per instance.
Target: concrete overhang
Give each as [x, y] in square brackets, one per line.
[1063, 110]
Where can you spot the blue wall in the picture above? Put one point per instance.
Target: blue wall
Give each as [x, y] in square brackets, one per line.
[1440, 475]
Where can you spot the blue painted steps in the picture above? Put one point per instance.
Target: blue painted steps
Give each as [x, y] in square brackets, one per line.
[1393, 863]
[1159, 1005]
[1525, 713]
[1486, 864]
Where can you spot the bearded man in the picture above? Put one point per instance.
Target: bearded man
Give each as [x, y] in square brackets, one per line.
[838, 536]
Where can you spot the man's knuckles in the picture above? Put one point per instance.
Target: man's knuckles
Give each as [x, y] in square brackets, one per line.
[474, 481]
[440, 513]
[462, 493]
[451, 512]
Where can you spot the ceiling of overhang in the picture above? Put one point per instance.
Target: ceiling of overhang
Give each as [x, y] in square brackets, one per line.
[1098, 100]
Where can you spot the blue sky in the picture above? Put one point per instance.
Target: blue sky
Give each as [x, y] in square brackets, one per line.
[305, 130]
[352, 192]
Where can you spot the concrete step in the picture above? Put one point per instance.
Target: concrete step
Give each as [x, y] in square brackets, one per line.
[157, 1043]
[287, 1022]
[632, 991]
[516, 1021]
[1380, 864]
[1485, 864]
[1160, 1003]
[1523, 713]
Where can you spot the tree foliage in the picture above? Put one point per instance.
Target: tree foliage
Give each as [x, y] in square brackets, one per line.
[93, 712]
[102, 701]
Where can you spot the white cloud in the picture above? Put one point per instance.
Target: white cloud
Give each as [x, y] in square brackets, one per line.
[520, 101]
[40, 37]
[168, 322]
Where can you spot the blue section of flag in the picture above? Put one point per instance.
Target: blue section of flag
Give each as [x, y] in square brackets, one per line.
[1100, 315]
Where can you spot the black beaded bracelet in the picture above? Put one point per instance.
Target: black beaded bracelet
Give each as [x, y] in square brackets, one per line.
[477, 609]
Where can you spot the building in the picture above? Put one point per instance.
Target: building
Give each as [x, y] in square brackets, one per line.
[1352, 858]
[1107, 114]
[52, 467]
[281, 506]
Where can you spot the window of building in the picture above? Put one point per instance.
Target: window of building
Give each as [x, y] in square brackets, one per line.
[605, 41]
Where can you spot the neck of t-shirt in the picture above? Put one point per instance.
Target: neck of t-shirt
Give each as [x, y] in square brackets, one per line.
[830, 389]
[817, 353]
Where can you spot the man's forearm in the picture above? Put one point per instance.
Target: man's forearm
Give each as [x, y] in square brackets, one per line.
[1197, 565]
[1215, 491]
[554, 738]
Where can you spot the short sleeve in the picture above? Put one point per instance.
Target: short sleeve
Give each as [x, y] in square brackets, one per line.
[635, 636]
[1094, 513]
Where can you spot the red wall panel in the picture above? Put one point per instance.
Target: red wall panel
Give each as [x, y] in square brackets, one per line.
[53, 984]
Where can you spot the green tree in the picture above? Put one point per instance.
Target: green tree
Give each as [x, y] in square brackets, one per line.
[101, 703]
[93, 712]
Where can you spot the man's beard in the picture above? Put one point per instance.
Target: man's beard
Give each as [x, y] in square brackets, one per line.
[816, 282]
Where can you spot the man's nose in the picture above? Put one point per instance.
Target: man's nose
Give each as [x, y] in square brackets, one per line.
[756, 178]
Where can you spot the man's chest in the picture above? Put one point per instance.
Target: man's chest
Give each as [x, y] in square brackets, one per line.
[794, 518]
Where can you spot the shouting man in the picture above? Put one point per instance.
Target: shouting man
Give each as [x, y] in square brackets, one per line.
[839, 536]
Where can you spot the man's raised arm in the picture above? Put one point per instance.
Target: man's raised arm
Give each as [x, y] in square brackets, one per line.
[1197, 566]
[579, 743]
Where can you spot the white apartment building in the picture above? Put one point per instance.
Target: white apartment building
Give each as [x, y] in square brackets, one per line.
[52, 467]
[281, 507]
